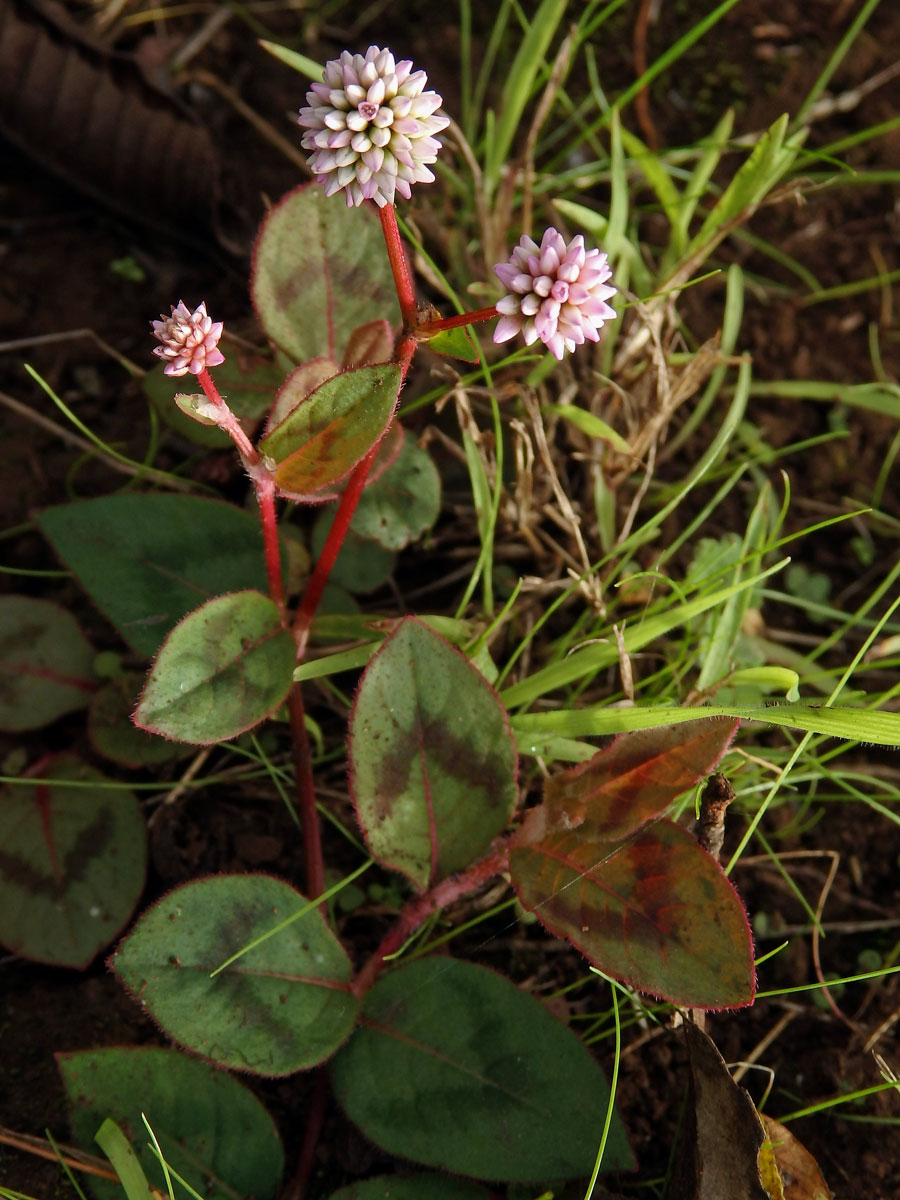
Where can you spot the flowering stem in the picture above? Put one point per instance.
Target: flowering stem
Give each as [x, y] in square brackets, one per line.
[427, 328]
[418, 910]
[264, 484]
[228, 420]
[402, 281]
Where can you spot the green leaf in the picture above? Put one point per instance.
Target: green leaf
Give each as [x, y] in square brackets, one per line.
[112, 731]
[326, 435]
[224, 668]
[636, 778]
[455, 343]
[455, 1067]
[282, 1006]
[211, 1129]
[72, 863]
[403, 502]
[45, 663]
[655, 911]
[590, 425]
[146, 561]
[411, 1187]
[432, 761]
[248, 384]
[319, 271]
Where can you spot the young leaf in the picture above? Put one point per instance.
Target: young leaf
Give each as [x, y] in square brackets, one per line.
[326, 434]
[455, 1067]
[282, 1006]
[455, 343]
[656, 911]
[637, 777]
[319, 270]
[211, 1129]
[146, 561]
[432, 761]
[224, 668]
[72, 864]
[368, 344]
[45, 663]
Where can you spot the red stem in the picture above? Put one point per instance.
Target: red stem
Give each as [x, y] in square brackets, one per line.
[420, 909]
[403, 355]
[229, 421]
[428, 328]
[265, 495]
[402, 281]
[315, 1119]
[306, 794]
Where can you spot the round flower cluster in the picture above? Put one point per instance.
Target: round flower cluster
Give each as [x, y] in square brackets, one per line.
[557, 293]
[190, 340]
[370, 126]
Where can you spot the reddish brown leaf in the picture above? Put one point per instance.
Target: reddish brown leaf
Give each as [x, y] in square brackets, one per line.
[637, 777]
[655, 911]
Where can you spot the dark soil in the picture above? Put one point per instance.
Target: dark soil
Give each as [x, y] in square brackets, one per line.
[61, 252]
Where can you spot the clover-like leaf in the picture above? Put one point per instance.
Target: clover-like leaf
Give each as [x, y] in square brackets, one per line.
[227, 666]
[319, 271]
[282, 1006]
[211, 1129]
[455, 1067]
[655, 910]
[432, 760]
[45, 663]
[73, 857]
[636, 777]
[147, 560]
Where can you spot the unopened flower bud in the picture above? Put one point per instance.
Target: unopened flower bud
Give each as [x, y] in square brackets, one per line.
[190, 340]
[557, 292]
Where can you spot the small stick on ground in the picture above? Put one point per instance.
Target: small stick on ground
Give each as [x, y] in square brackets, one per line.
[717, 795]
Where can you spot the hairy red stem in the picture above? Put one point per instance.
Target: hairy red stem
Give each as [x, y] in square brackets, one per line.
[420, 909]
[315, 1119]
[229, 421]
[402, 280]
[265, 495]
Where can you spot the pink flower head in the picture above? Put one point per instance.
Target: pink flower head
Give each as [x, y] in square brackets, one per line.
[557, 293]
[370, 126]
[190, 340]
